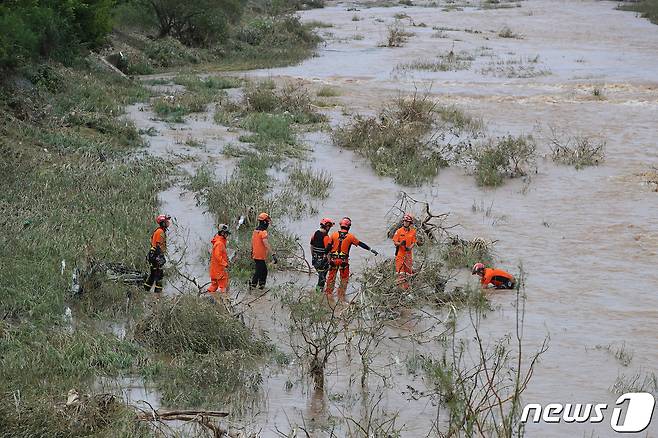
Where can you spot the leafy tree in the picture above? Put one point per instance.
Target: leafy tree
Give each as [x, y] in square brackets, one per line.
[196, 23]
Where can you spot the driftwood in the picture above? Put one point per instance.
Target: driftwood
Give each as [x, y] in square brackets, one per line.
[201, 417]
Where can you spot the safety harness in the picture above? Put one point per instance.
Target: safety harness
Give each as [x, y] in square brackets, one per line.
[339, 258]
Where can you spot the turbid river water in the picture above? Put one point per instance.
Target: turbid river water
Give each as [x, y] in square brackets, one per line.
[587, 238]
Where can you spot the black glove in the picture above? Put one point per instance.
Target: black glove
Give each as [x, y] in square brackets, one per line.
[274, 259]
[374, 252]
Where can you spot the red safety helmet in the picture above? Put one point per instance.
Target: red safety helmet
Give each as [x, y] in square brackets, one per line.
[408, 217]
[163, 218]
[326, 222]
[264, 217]
[345, 222]
[477, 268]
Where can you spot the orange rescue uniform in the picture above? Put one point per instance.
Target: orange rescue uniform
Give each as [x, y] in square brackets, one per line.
[341, 242]
[159, 239]
[499, 278]
[405, 239]
[258, 249]
[218, 265]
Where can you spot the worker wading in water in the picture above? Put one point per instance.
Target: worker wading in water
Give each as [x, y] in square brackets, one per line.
[260, 249]
[339, 257]
[219, 262]
[496, 277]
[404, 240]
[320, 247]
[156, 255]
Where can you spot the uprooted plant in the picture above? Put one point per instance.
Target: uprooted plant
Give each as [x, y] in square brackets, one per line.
[410, 139]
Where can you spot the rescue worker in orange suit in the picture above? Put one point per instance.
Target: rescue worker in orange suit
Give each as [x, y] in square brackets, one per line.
[320, 247]
[496, 277]
[260, 249]
[156, 254]
[219, 262]
[404, 240]
[339, 257]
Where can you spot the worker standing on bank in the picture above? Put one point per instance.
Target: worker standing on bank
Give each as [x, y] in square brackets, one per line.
[339, 257]
[260, 250]
[404, 240]
[156, 255]
[497, 277]
[219, 262]
[320, 247]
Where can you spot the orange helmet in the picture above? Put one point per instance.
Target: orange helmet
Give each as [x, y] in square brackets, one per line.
[326, 222]
[408, 217]
[264, 217]
[345, 222]
[162, 218]
[477, 268]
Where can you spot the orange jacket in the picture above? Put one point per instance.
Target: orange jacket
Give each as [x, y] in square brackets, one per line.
[349, 240]
[218, 257]
[490, 276]
[159, 239]
[407, 236]
[258, 248]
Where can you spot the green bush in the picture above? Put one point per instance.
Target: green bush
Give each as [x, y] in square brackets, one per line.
[508, 157]
[53, 29]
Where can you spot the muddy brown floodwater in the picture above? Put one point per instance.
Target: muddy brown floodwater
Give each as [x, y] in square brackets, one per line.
[587, 238]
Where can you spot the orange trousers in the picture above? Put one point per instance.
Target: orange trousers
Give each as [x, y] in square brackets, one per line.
[404, 268]
[344, 269]
[221, 283]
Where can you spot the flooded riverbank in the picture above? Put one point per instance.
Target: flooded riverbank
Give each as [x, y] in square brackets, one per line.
[586, 238]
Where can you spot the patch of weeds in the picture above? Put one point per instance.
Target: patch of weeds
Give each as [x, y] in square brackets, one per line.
[194, 83]
[293, 98]
[623, 355]
[358, 37]
[410, 128]
[598, 93]
[506, 32]
[400, 16]
[267, 128]
[173, 108]
[460, 253]
[448, 61]
[639, 382]
[327, 91]
[508, 157]
[521, 67]
[577, 151]
[314, 183]
[397, 35]
[209, 349]
[356, 18]
[313, 24]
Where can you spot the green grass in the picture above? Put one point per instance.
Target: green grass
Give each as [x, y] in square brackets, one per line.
[327, 91]
[646, 8]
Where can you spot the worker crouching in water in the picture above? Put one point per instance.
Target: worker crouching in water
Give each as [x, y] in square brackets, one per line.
[339, 257]
[260, 249]
[156, 254]
[320, 247]
[497, 277]
[404, 240]
[219, 262]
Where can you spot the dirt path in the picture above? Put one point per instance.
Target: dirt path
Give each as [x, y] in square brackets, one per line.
[587, 238]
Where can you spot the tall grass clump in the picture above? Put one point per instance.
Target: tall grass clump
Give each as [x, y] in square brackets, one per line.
[292, 98]
[577, 151]
[508, 157]
[209, 349]
[646, 9]
[409, 140]
[316, 184]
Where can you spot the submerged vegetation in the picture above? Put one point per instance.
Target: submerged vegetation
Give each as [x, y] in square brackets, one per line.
[410, 139]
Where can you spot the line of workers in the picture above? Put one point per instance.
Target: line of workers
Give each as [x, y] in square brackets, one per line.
[330, 256]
